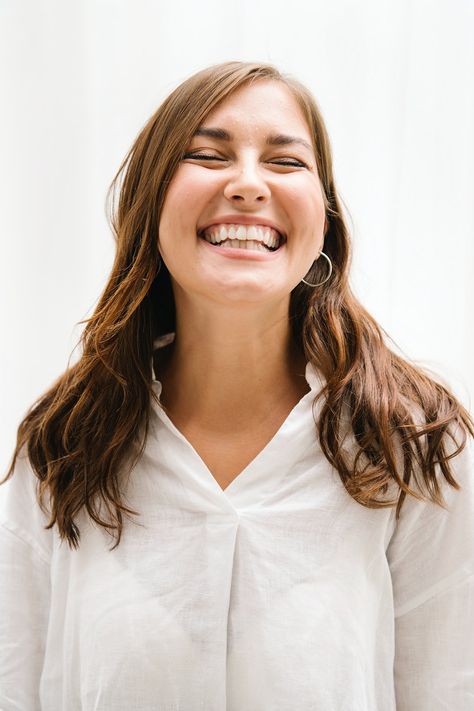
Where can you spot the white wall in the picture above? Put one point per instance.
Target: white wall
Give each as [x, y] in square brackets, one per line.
[79, 79]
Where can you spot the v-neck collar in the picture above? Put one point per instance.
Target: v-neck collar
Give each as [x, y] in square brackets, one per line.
[292, 441]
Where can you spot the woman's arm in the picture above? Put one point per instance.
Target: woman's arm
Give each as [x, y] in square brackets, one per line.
[24, 592]
[431, 558]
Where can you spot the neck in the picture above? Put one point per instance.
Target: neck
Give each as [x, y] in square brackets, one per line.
[238, 372]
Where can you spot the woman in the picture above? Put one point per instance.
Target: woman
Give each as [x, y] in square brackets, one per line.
[291, 502]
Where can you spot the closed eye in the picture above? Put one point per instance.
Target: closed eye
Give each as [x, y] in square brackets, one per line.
[295, 163]
[201, 156]
[204, 156]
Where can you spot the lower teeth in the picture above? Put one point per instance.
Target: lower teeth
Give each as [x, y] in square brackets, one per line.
[244, 244]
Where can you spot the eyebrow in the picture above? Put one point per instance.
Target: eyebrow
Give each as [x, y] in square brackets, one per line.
[274, 139]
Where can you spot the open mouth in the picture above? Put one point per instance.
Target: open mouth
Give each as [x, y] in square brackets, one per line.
[259, 238]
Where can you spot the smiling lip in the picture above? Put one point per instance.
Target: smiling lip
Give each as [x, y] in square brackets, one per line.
[242, 220]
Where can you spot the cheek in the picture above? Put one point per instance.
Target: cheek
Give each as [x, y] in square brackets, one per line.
[191, 188]
[305, 196]
[304, 205]
[174, 219]
[189, 195]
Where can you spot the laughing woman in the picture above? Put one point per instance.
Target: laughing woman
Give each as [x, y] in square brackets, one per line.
[240, 497]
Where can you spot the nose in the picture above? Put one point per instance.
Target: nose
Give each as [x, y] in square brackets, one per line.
[247, 185]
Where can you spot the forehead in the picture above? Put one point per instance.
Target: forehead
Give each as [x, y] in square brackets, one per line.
[263, 105]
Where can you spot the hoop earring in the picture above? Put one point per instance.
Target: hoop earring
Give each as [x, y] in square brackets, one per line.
[321, 254]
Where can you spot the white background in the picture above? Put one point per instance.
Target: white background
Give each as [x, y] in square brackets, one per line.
[394, 81]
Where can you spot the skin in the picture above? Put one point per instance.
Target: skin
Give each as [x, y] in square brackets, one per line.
[233, 360]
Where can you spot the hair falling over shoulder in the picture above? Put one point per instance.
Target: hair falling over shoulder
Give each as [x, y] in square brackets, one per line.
[89, 429]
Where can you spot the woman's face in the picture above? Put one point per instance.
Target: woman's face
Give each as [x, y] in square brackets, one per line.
[240, 178]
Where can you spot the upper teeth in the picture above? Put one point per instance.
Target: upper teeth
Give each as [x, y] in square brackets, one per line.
[259, 233]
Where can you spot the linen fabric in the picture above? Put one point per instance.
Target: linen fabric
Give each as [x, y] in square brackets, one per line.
[279, 593]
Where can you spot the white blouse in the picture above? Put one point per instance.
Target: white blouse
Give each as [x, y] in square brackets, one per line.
[279, 593]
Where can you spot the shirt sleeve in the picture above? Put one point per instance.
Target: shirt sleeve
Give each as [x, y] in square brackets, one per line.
[24, 591]
[431, 559]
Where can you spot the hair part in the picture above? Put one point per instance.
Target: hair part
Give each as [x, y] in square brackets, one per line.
[85, 434]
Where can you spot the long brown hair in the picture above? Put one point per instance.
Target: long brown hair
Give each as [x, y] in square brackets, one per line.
[90, 427]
